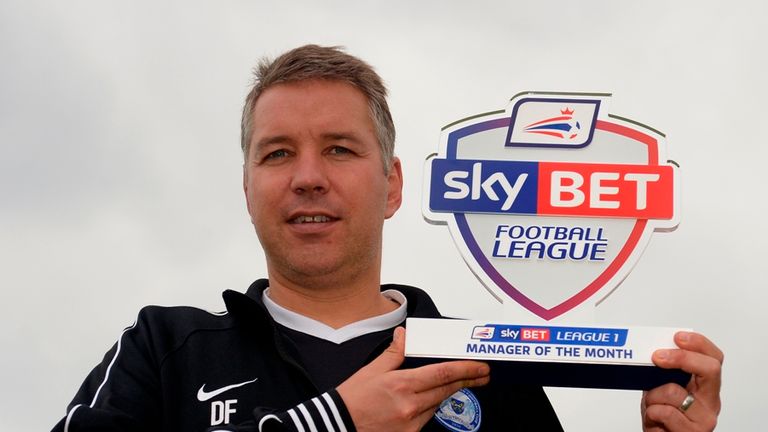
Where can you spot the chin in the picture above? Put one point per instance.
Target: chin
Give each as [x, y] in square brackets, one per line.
[308, 267]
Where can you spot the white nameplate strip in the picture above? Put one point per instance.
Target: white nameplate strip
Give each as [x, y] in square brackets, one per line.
[482, 340]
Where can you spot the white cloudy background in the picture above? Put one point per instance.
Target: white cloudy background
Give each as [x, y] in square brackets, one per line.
[120, 170]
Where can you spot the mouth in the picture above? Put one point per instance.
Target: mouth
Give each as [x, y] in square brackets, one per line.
[311, 219]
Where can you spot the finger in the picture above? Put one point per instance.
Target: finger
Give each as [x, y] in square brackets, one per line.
[669, 417]
[439, 374]
[706, 370]
[704, 361]
[667, 394]
[648, 424]
[392, 357]
[672, 396]
[696, 342]
[429, 400]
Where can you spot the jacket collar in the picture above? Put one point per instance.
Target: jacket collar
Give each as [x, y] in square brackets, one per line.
[250, 306]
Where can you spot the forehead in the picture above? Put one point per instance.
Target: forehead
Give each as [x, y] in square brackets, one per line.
[311, 103]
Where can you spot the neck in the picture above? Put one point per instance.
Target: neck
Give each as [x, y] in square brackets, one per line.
[334, 303]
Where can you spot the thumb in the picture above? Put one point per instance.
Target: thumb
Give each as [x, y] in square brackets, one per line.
[393, 356]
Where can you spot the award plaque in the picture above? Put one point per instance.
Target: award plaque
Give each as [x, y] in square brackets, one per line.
[551, 202]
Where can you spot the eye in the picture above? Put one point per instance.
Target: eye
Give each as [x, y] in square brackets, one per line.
[277, 154]
[339, 150]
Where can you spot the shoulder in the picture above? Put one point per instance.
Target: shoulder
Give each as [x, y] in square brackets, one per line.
[163, 329]
[181, 318]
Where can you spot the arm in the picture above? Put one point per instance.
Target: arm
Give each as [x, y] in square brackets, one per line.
[379, 397]
[97, 406]
[323, 413]
[668, 408]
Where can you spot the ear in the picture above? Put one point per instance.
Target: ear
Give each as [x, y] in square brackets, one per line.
[395, 193]
[245, 191]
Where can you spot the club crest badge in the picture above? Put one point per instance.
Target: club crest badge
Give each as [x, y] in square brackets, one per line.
[460, 412]
[552, 200]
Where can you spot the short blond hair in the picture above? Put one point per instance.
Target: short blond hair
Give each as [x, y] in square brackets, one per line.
[317, 62]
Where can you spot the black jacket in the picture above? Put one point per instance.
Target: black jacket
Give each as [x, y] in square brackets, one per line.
[185, 369]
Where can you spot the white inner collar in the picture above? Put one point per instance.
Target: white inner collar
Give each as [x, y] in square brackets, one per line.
[317, 329]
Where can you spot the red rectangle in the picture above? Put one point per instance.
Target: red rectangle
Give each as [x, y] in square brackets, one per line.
[534, 334]
[606, 190]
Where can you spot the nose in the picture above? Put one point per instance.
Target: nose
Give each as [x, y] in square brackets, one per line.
[310, 174]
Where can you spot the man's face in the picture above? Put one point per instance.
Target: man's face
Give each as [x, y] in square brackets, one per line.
[314, 183]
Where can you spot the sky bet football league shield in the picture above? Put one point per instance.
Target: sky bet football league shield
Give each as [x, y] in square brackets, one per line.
[551, 202]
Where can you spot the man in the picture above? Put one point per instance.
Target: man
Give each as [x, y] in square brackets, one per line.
[319, 345]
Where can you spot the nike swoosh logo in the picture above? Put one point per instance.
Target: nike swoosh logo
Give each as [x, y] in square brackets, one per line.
[203, 395]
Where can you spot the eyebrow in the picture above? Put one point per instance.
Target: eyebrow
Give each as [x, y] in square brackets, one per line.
[340, 136]
[282, 139]
[276, 139]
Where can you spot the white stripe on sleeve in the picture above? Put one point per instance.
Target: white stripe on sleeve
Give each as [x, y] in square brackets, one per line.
[324, 415]
[109, 368]
[296, 421]
[335, 412]
[69, 417]
[308, 418]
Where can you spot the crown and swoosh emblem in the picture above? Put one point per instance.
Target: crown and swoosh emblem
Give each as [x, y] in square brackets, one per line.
[203, 395]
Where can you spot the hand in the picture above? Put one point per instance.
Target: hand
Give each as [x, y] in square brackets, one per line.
[381, 398]
[661, 407]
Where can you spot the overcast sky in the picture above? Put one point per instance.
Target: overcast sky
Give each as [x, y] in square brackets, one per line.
[120, 171]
